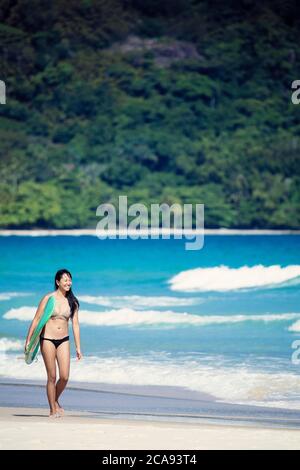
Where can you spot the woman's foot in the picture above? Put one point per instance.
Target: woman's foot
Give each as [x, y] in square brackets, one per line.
[54, 415]
[59, 409]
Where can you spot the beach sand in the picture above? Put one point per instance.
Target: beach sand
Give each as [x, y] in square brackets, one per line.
[130, 417]
[30, 428]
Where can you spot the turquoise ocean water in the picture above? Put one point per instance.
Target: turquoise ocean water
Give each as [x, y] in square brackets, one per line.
[223, 320]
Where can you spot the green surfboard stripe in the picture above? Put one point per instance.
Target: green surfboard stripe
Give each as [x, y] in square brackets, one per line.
[34, 344]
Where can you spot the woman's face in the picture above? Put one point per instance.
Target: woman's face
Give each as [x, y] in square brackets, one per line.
[65, 282]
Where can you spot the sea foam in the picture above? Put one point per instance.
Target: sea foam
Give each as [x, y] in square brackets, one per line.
[9, 344]
[235, 384]
[223, 278]
[10, 295]
[139, 301]
[130, 317]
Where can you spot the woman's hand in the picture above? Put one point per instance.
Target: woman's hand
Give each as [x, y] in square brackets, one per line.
[26, 346]
[78, 354]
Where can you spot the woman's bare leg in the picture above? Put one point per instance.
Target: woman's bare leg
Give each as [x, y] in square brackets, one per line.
[63, 360]
[48, 352]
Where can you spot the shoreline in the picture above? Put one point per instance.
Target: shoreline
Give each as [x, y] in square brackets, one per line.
[31, 429]
[118, 417]
[151, 403]
[146, 233]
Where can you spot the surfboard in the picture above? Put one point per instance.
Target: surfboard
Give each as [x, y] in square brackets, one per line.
[34, 344]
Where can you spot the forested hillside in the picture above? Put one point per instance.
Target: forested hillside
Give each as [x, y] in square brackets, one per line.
[164, 101]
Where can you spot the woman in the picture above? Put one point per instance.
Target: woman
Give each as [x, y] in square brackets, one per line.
[54, 339]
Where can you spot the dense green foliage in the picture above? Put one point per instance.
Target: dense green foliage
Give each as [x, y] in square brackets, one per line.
[87, 120]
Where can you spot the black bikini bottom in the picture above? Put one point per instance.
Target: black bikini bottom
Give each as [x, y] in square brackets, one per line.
[56, 342]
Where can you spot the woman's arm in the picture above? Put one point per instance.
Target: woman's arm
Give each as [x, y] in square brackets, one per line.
[76, 333]
[36, 319]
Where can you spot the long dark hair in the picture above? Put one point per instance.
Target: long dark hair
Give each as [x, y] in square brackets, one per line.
[73, 301]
